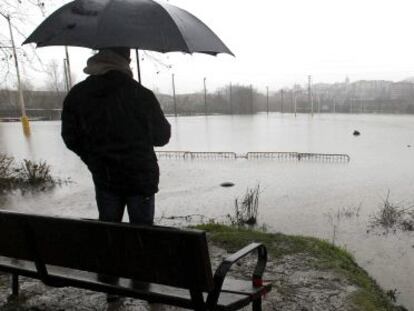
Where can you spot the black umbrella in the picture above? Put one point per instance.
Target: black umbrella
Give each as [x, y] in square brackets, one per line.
[137, 24]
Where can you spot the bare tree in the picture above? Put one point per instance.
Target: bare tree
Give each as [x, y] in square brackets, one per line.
[19, 13]
[55, 81]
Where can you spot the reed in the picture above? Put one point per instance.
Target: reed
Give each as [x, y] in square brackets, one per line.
[246, 209]
[393, 216]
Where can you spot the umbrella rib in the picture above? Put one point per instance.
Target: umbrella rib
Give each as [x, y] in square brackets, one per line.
[98, 27]
[175, 24]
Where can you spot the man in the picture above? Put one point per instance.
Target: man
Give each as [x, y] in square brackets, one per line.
[113, 123]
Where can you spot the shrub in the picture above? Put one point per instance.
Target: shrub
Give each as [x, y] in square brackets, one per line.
[35, 173]
[5, 166]
[28, 173]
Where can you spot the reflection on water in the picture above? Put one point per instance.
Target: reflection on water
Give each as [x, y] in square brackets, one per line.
[297, 197]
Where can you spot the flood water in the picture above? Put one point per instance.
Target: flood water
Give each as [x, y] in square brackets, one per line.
[296, 197]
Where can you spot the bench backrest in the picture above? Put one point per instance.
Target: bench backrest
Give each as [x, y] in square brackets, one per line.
[161, 255]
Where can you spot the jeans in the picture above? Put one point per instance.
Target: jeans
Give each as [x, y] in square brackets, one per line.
[111, 207]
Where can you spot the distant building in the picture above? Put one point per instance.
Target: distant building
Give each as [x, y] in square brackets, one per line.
[347, 80]
[370, 90]
[402, 91]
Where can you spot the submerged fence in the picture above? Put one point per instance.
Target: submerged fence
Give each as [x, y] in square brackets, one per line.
[188, 155]
[171, 154]
[282, 156]
[323, 157]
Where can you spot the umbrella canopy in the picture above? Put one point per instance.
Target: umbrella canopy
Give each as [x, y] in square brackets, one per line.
[137, 24]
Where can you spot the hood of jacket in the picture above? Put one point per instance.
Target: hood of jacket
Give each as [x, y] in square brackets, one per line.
[105, 61]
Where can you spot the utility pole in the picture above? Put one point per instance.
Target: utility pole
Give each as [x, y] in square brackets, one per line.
[352, 104]
[205, 96]
[68, 68]
[295, 100]
[65, 69]
[24, 118]
[231, 98]
[267, 99]
[174, 97]
[251, 98]
[319, 104]
[362, 99]
[310, 95]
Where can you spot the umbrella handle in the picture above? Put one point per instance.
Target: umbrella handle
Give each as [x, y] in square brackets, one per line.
[138, 66]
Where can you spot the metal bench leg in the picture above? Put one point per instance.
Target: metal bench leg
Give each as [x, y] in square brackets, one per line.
[15, 285]
[198, 300]
[257, 304]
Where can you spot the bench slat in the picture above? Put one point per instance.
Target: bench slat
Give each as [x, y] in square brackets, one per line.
[172, 265]
[161, 255]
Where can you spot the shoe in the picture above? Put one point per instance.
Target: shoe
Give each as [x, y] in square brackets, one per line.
[111, 298]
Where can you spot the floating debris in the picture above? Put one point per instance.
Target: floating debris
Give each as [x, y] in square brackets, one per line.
[227, 184]
[356, 133]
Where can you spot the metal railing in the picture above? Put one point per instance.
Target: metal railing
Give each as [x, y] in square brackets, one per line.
[171, 154]
[212, 155]
[323, 157]
[282, 156]
[188, 155]
[271, 155]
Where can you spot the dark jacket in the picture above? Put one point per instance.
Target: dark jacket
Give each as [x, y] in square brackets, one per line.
[112, 123]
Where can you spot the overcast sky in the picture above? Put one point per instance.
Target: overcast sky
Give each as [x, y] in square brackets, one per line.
[278, 43]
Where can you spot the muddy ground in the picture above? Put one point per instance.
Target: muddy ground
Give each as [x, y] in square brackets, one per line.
[297, 286]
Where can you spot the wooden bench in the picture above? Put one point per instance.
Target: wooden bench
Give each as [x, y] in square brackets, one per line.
[157, 264]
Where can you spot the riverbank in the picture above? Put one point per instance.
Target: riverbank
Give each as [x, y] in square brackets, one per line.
[307, 274]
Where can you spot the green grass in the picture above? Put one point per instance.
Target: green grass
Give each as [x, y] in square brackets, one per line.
[327, 257]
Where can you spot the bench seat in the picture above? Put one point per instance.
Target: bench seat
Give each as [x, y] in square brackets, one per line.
[152, 263]
[235, 293]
